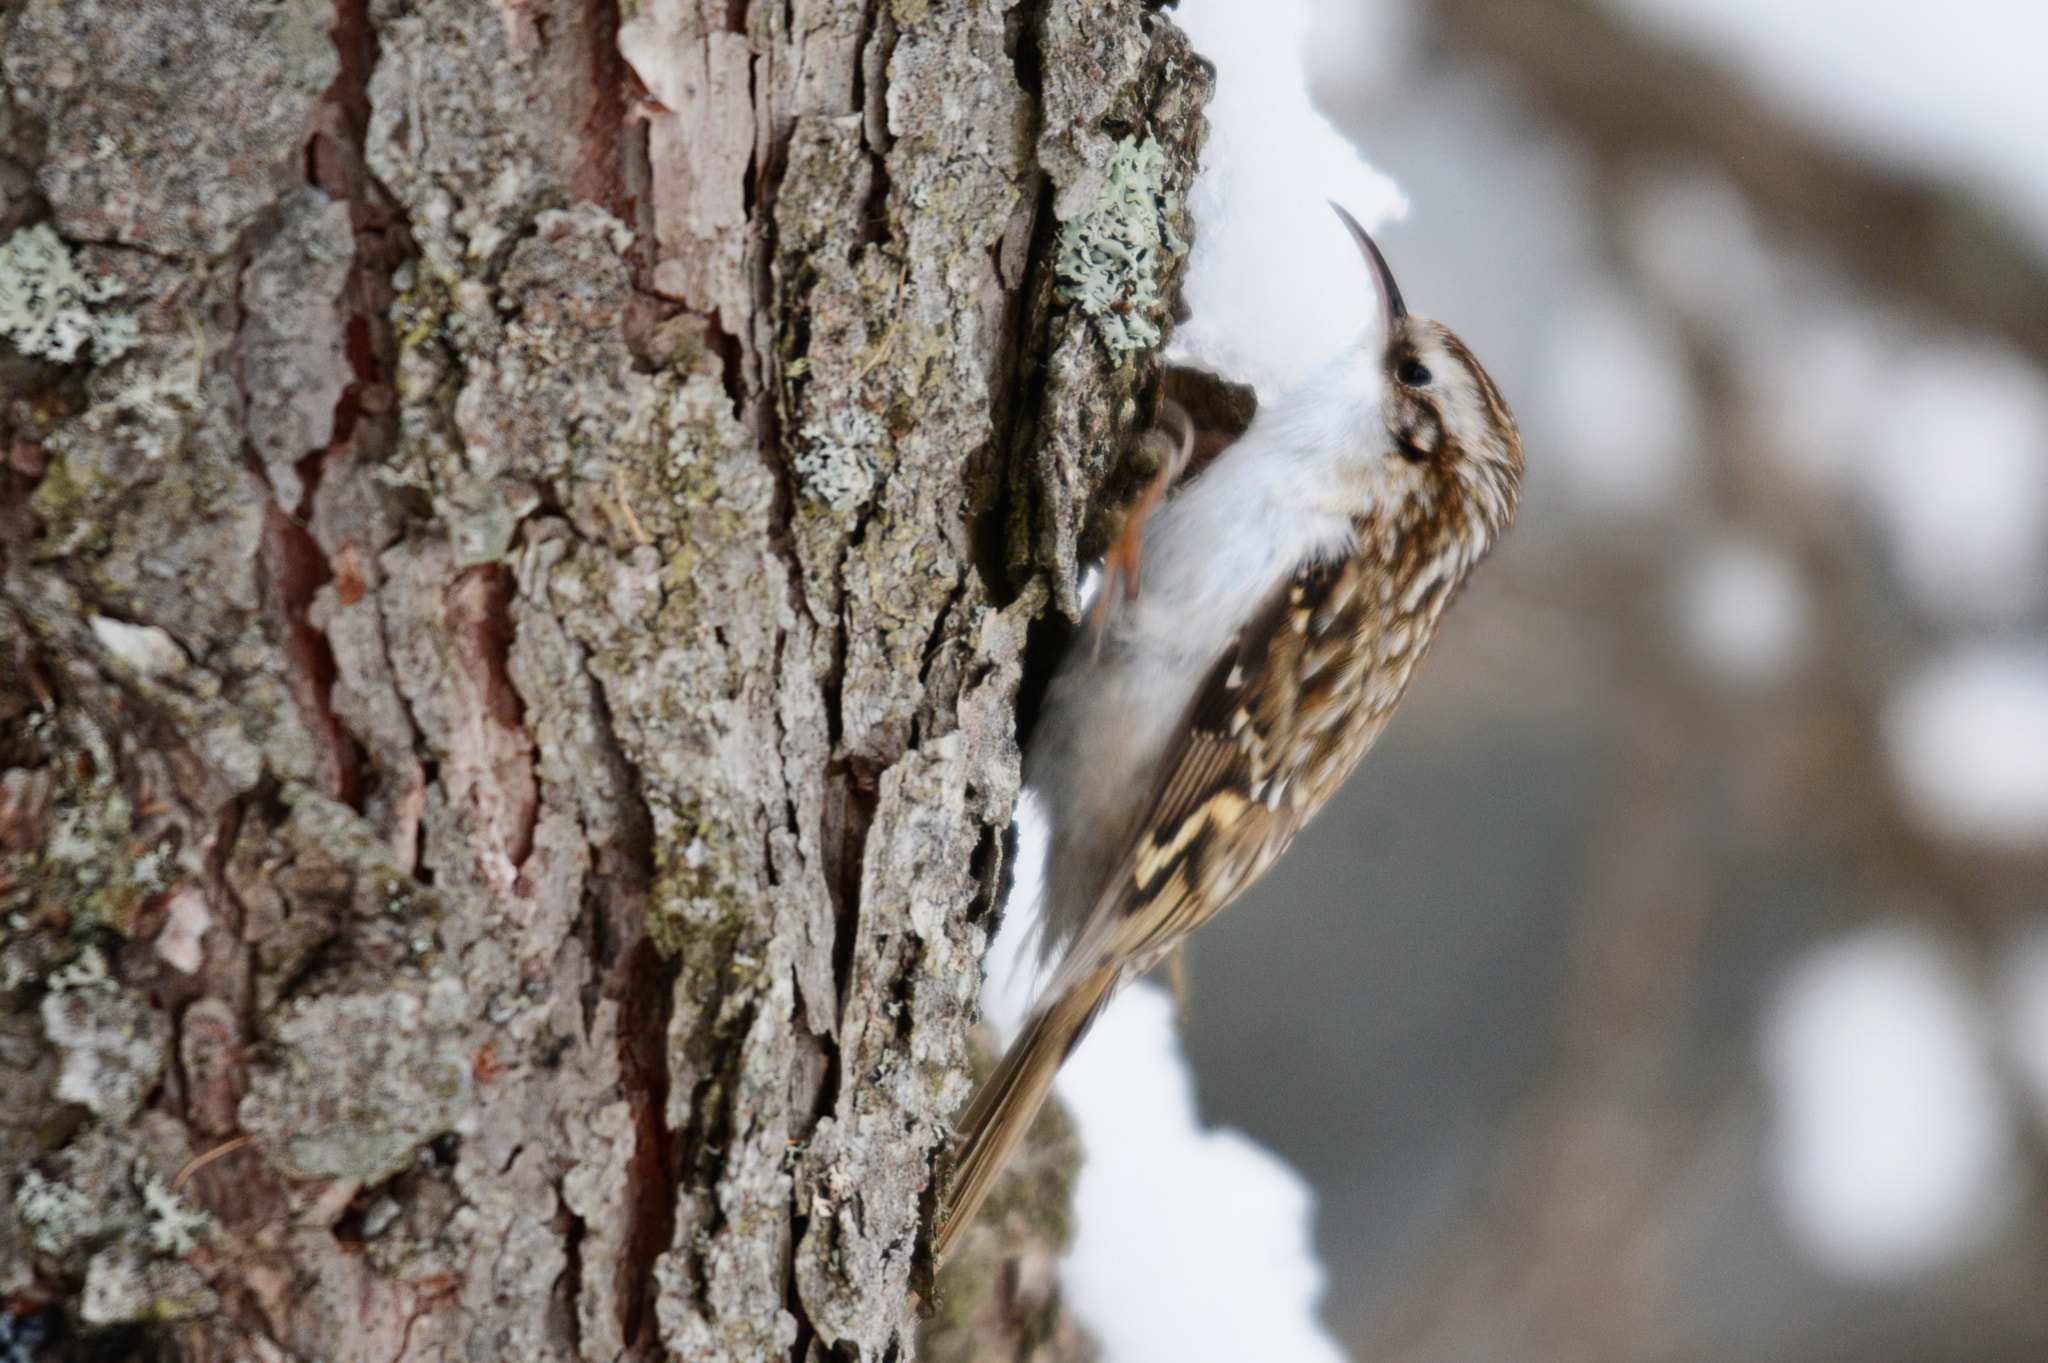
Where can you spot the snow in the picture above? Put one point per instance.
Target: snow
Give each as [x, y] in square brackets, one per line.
[1935, 92]
[1894, 1150]
[1191, 1245]
[1743, 608]
[1275, 284]
[1621, 405]
[1968, 741]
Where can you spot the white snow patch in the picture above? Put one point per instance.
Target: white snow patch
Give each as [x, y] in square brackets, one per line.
[1191, 1245]
[1275, 284]
[1894, 1150]
[1622, 405]
[1743, 608]
[1968, 741]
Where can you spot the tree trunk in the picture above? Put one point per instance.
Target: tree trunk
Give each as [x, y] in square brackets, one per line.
[522, 522]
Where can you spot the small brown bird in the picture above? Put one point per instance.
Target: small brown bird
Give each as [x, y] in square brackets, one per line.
[1283, 601]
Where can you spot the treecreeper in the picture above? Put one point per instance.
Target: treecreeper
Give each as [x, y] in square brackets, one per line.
[1252, 638]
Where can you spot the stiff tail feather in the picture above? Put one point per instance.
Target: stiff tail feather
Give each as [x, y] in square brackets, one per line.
[995, 1122]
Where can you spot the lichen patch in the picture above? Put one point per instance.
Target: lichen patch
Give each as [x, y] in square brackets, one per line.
[49, 308]
[1114, 258]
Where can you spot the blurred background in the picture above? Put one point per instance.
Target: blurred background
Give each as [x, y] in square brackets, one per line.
[1672, 981]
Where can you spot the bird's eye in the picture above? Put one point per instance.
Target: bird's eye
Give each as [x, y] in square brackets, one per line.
[1413, 373]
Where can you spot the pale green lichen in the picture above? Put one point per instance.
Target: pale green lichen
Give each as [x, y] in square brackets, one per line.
[1114, 258]
[173, 1226]
[52, 1211]
[46, 302]
[835, 456]
[58, 1216]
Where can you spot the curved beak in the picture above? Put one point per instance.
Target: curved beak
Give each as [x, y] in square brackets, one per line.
[1392, 309]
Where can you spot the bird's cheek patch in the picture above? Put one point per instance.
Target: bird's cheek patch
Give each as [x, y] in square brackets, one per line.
[1420, 435]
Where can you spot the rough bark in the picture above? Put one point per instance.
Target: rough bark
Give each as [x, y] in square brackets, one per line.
[522, 521]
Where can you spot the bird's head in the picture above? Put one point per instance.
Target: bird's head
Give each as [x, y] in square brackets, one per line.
[1444, 437]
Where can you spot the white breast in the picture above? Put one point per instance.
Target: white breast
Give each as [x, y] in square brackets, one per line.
[1283, 495]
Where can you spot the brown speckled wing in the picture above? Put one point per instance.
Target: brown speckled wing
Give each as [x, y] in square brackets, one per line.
[1275, 726]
